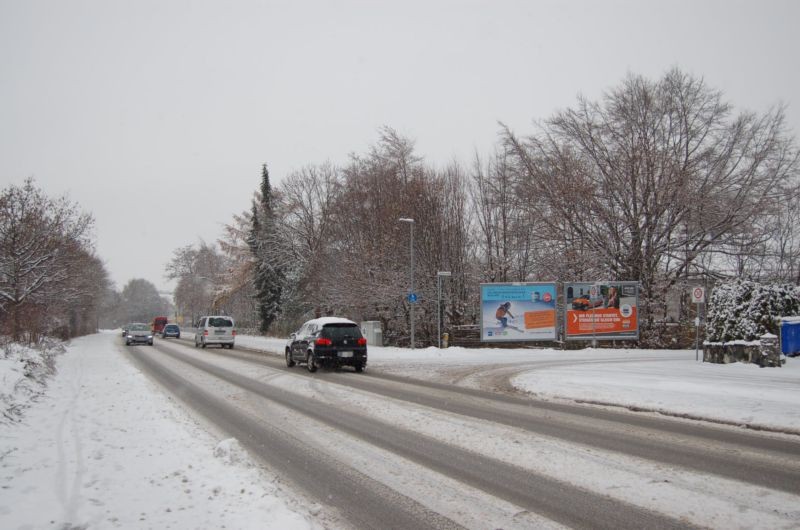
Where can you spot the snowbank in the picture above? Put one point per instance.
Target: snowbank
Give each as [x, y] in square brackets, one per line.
[24, 371]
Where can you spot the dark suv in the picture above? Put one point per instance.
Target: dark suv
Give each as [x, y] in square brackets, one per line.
[171, 330]
[330, 342]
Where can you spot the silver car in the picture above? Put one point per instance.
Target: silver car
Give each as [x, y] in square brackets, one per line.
[215, 330]
[139, 334]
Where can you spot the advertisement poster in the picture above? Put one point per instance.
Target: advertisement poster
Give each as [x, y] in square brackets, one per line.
[601, 310]
[518, 311]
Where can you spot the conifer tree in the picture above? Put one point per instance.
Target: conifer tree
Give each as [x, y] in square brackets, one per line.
[267, 274]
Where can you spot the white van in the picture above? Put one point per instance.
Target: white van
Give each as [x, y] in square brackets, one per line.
[217, 329]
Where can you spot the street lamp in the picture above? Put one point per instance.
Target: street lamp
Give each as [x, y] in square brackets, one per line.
[439, 276]
[412, 297]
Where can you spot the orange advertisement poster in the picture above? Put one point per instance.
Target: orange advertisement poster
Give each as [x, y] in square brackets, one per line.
[540, 319]
[601, 321]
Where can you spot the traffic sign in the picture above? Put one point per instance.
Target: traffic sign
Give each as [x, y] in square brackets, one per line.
[698, 295]
[412, 297]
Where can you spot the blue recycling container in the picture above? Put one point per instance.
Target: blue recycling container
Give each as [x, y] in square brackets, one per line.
[790, 337]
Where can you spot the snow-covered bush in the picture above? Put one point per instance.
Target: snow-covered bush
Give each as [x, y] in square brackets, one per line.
[24, 371]
[745, 310]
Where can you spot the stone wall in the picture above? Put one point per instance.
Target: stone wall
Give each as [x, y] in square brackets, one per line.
[764, 352]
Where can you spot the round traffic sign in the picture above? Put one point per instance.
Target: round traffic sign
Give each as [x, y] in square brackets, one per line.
[698, 295]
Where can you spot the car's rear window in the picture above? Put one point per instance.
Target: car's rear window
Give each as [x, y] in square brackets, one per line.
[171, 327]
[341, 331]
[219, 322]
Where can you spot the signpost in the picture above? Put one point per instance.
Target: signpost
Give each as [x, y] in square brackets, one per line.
[698, 297]
[593, 295]
[412, 296]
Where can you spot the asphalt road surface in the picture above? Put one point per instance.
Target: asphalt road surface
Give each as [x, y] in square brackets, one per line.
[382, 451]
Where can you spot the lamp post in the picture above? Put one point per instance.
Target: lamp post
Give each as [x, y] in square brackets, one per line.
[411, 295]
[439, 276]
[594, 293]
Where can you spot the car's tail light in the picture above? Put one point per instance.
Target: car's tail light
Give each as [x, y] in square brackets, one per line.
[233, 332]
[362, 341]
[205, 333]
[323, 342]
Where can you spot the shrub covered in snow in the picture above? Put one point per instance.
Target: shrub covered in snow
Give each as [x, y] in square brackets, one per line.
[24, 371]
[745, 310]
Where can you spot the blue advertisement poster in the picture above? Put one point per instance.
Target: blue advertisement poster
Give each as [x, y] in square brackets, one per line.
[518, 312]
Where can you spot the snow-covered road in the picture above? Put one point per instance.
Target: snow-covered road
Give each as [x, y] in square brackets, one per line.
[119, 452]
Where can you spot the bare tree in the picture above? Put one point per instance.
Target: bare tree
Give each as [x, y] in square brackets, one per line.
[200, 272]
[442, 214]
[40, 241]
[237, 292]
[508, 225]
[655, 175]
[307, 211]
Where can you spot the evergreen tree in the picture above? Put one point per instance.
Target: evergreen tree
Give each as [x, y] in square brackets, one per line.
[267, 274]
[745, 310]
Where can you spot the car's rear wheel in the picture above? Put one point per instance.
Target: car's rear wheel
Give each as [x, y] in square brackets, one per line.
[203, 343]
[289, 360]
[359, 367]
[311, 362]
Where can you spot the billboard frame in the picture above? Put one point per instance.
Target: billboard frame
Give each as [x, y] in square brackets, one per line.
[626, 314]
[524, 294]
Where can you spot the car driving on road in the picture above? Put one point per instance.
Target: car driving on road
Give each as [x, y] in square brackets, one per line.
[330, 341]
[171, 330]
[139, 334]
[215, 330]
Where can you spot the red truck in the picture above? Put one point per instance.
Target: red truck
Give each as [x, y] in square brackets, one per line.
[158, 325]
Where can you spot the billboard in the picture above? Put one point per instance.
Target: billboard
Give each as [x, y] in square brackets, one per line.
[518, 311]
[601, 310]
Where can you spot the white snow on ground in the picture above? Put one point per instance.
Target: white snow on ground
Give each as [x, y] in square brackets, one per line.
[736, 393]
[23, 375]
[105, 447]
[733, 393]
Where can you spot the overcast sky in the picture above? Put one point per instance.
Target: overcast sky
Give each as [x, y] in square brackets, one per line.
[156, 115]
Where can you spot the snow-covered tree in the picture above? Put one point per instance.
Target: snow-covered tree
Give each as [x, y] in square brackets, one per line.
[745, 310]
[654, 176]
[236, 292]
[200, 271]
[268, 276]
[45, 248]
[140, 301]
